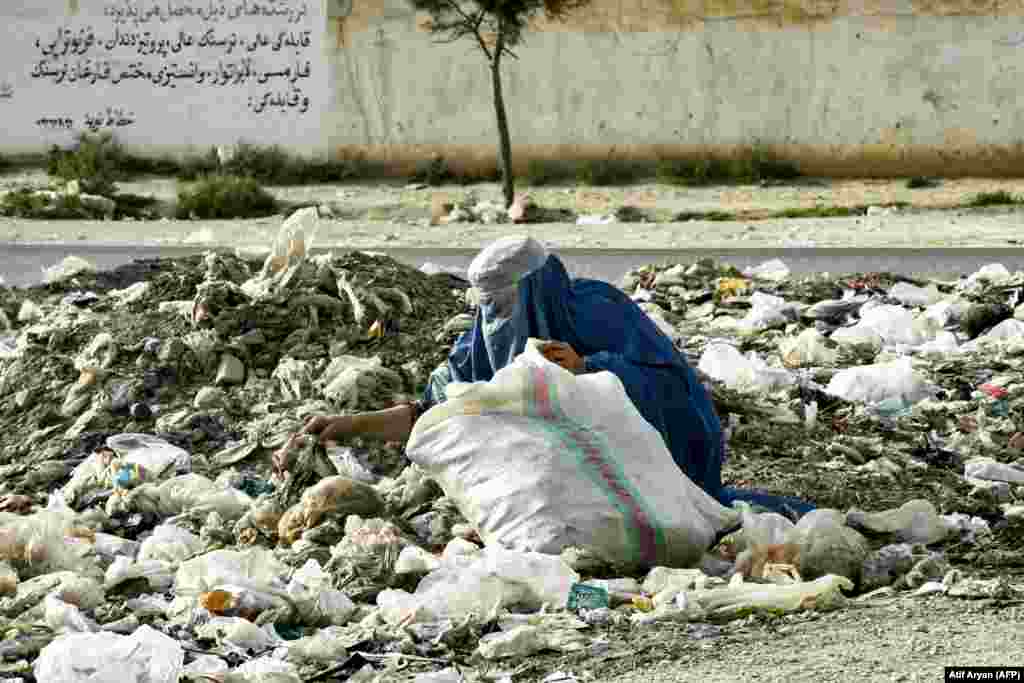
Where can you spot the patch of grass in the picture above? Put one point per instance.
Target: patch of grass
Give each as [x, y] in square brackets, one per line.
[270, 165]
[631, 214]
[224, 196]
[820, 212]
[433, 171]
[604, 172]
[93, 162]
[197, 166]
[135, 206]
[754, 165]
[921, 182]
[703, 216]
[27, 203]
[998, 198]
[541, 172]
[22, 203]
[487, 175]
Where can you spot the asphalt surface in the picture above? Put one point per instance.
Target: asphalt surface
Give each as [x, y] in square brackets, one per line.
[22, 264]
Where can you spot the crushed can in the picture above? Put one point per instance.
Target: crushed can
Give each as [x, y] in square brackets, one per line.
[582, 596]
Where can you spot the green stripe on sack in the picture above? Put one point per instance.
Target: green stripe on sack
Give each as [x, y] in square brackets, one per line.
[595, 458]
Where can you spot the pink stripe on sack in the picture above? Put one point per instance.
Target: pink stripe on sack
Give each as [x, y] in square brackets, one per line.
[601, 463]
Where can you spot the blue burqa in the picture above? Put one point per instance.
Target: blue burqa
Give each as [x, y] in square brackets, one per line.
[526, 292]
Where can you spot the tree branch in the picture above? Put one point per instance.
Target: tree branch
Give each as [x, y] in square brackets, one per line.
[470, 23]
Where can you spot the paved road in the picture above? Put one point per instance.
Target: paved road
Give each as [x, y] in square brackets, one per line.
[22, 263]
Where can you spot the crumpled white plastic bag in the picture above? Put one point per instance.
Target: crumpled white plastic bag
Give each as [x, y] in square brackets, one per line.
[725, 363]
[146, 656]
[877, 383]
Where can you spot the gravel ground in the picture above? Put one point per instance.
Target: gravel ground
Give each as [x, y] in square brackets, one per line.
[930, 229]
[393, 215]
[911, 639]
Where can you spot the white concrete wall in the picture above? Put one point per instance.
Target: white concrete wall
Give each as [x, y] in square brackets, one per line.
[889, 88]
[868, 87]
[165, 75]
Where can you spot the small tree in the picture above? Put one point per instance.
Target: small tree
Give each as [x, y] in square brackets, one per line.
[495, 26]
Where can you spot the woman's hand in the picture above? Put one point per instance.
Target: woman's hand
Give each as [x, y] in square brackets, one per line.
[563, 354]
[330, 428]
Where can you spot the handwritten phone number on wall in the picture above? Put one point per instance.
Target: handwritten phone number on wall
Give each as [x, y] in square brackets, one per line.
[111, 118]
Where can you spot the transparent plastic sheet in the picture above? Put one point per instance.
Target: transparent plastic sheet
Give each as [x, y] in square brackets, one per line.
[146, 656]
[159, 575]
[170, 544]
[481, 583]
[732, 602]
[724, 362]
[46, 541]
[265, 670]
[330, 496]
[809, 348]
[878, 383]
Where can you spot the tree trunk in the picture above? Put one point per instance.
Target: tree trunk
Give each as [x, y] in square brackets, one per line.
[504, 142]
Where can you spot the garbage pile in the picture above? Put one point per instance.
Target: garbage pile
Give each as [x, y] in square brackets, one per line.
[144, 535]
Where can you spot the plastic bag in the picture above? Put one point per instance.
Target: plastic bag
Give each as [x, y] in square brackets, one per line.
[762, 540]
[664, 584]
[916, 521]
[295, 379]
[265, 670]
[736, 601]
[897, 325]
[725, 363]
[992, 273]
[170, 544]
[482, 583]
[205, 667]
[858, 336]
[156, 456]
[254, 568]
[146, 656]
[943, 344]
[991, 470]
[326, 646]
[498, 450]
[238, 632]
[767, 311]
[877, 383]
[331, 496]
[807, 349]
[529, 639]
[828, 546]
[359, 383]
[66, 618]
[45, 542]
[317, 601]
[368, 552]
[1004, 331]
[160, 575]
[912, 295]
[774, 270]
[69, 267]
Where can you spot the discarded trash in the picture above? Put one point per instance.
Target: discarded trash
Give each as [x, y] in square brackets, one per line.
[146, 656]
[530, 507]
[142, 407]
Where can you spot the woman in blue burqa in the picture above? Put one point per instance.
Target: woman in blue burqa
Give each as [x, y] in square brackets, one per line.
[589, 326]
